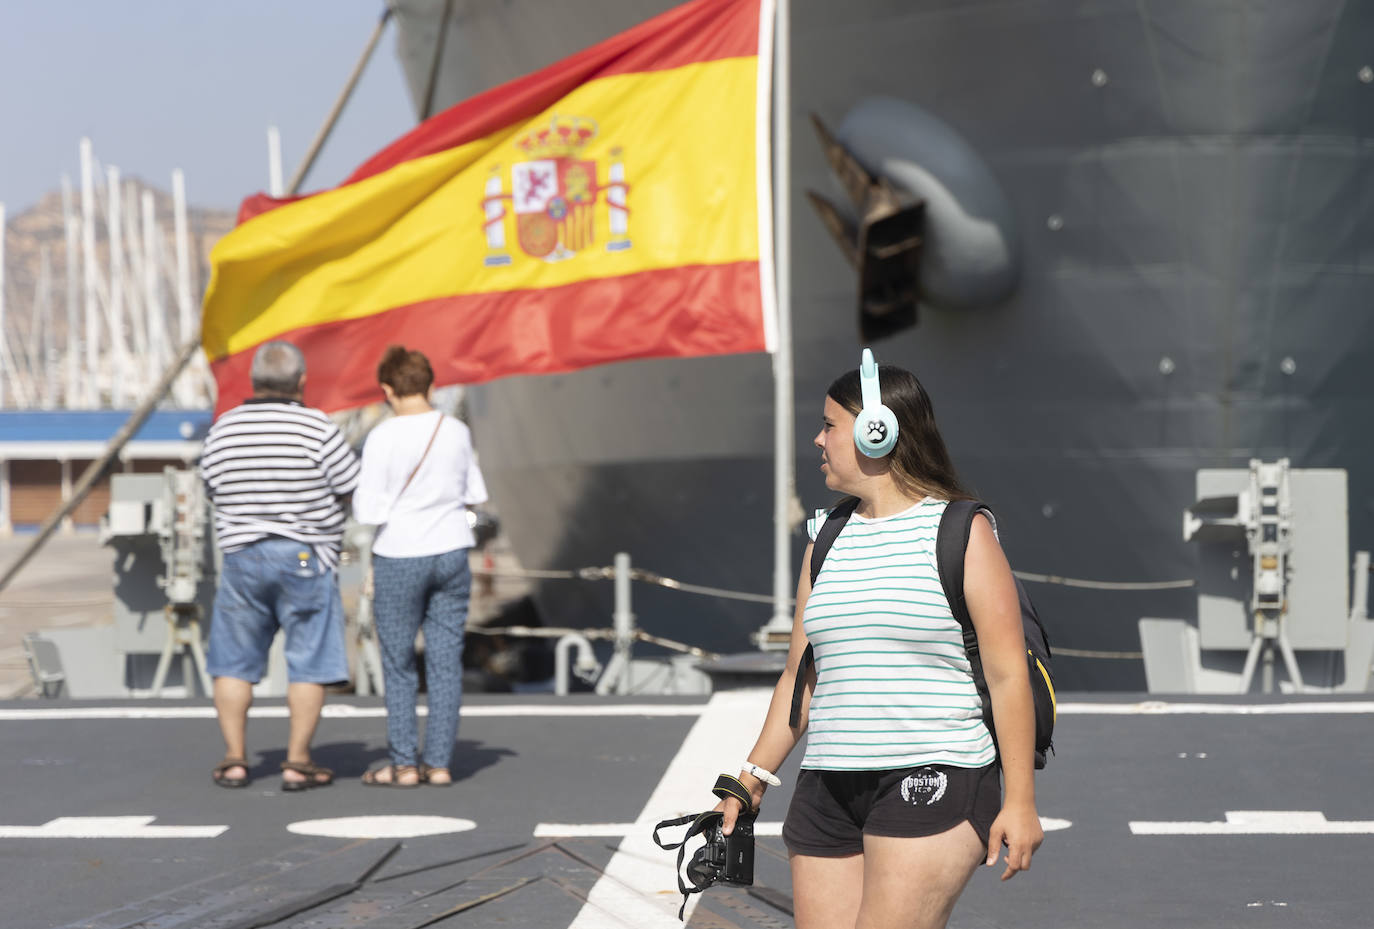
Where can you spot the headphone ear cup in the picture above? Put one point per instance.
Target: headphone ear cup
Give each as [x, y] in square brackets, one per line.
[875, 432]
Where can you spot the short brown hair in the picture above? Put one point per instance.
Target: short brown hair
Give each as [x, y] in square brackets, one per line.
[406, 372]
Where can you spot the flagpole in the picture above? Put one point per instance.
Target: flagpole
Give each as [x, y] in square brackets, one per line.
[776, 634]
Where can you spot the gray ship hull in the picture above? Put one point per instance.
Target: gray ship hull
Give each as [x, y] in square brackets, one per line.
[1192, 187]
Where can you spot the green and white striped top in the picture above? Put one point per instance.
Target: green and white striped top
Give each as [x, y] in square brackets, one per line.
[894, 688]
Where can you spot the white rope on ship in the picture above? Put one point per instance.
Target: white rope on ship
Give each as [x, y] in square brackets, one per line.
[638, 574]
[1102, 585]
[1094, 653]
[554, 632]
[649, 577]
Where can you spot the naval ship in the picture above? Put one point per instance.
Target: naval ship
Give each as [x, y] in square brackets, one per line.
[1182, 183]
[1180, 199]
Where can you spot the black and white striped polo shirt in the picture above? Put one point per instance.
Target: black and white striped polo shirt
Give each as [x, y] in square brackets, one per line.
[278, 468]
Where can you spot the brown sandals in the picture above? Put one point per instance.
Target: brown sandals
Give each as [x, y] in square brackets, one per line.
[393, 777]
[428, 776]
[315, 776]
[220, 776]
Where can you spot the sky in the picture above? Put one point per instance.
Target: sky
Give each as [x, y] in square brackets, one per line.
[190, 84]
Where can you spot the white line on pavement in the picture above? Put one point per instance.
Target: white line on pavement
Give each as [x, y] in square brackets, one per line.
[1259, 822]
[638, 887]
[381, 827]
[1163, 708]
[345, 711]
[537, 710]
[620, 830]
[108, 827]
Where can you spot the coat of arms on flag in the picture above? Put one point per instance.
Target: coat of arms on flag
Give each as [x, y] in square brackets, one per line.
[497, 233]
[555, 196]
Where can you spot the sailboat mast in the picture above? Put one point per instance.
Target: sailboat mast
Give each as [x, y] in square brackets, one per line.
[88, 258]
[72, 357]
[115, 240]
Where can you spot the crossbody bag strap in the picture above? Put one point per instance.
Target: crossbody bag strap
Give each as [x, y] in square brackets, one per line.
[423, 455]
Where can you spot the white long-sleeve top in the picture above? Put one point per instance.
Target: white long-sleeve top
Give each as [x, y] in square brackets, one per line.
[430, 516]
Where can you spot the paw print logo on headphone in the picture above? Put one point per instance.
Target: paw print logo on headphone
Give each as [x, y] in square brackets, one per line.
[877, 432]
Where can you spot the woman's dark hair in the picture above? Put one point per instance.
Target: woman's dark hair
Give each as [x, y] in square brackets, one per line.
[920, 463]
[406, 372]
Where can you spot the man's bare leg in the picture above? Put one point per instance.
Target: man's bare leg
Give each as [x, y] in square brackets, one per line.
[304, 702]
[233, 697]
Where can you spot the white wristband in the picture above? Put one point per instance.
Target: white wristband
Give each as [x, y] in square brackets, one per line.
[768, 777]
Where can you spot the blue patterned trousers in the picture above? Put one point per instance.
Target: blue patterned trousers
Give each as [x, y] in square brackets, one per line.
[429, 592]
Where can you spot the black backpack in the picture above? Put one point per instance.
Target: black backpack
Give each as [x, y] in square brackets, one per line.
[951, 542]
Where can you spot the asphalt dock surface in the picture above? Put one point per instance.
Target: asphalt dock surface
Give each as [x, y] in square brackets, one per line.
[1190, 812]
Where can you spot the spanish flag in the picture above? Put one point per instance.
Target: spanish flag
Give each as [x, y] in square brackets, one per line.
[614, 205]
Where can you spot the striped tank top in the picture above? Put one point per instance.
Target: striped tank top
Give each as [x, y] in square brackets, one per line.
[894, 686]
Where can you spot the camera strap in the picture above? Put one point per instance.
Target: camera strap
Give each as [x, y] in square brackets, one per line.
[726, 786]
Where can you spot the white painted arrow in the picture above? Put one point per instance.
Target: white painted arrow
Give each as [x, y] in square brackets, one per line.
[1260, 822]
[108, 827]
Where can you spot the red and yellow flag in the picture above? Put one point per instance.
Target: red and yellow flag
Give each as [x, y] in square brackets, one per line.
[614, 205]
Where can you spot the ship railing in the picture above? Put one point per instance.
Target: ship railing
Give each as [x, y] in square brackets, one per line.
[615, 677]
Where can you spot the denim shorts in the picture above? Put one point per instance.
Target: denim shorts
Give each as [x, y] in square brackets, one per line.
[277, 584]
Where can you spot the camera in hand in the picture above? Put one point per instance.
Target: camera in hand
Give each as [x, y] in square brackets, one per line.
[724, 859]
[727, 859]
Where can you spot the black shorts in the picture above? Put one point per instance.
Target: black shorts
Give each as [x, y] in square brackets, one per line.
[832, 811]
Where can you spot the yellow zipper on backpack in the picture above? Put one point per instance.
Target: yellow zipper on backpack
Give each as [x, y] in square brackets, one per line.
[1054, 704]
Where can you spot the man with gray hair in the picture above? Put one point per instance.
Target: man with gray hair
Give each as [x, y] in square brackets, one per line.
[280, 476]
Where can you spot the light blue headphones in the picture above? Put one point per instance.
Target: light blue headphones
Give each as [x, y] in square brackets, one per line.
[875, 428]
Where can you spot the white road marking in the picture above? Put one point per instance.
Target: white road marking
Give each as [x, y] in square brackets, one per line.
[345, 711]
[1260, 822]
[381, 827]
[639, 887]
[620, 830]
[537, 710]
[1162, 708]
[108, 827]
[615, 830]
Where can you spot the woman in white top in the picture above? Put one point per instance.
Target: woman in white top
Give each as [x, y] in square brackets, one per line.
[899, 797]
[419, 476]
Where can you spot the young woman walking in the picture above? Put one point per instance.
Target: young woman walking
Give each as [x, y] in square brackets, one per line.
[900, 796]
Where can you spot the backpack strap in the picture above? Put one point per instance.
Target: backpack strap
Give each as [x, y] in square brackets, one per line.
[951, 544]
[829, 531]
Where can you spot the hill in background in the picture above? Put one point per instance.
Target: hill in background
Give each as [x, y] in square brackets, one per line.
[29, 233]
